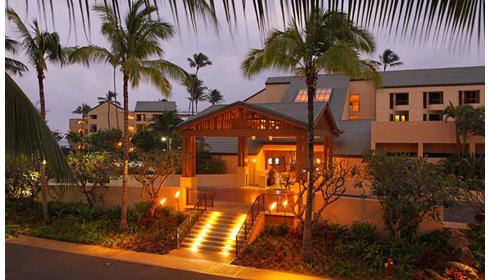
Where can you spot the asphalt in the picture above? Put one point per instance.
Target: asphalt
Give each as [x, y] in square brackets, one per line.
[25, 262]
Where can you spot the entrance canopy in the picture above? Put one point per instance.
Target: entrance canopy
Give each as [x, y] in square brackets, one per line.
[244, 120]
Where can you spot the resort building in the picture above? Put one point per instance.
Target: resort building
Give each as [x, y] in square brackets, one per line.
[403, 114]
[108, 115]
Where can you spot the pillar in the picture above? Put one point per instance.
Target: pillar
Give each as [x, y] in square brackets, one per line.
[420, 149]
[472, 148]
[188, 180]
[301, 153]
[242, 166]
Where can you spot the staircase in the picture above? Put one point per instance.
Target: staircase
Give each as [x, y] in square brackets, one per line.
[215, 231]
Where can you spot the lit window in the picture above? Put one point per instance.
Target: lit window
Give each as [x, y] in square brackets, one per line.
[354, 117]
[130, 117]
[400, 116]
[354, 102]
[131, 128]
[322, 95]
[80, 122]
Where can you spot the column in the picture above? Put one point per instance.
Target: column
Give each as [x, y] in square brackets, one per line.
[420, 149]
[188, 180]
[242, 168]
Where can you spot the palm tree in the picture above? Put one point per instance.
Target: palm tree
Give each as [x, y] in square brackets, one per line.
[196, 89]
[111, 99]
[134, 42]
[198, 61]
[83, 111]
[328, 42]
[13, 66]
[40, 47]
[388, 58]
[215, 97]
[469, 121]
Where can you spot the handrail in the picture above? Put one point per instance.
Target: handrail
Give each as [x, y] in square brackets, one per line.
[193, 218]
[255, 209]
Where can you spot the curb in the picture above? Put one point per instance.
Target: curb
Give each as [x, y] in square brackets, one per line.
[165, 261]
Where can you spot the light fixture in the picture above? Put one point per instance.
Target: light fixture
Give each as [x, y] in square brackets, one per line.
[269, 160]
[285, 203]
[254, 137]
[254, 160]
[270, 138]
[163, 201]
[273, 206]
[318, 161]
[177, 194]
[276, 160]
[164, 139]
[44, 162]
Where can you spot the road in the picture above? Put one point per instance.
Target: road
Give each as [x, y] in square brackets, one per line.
[25, 262]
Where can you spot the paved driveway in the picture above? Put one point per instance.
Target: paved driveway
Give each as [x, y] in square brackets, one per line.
[25, 262]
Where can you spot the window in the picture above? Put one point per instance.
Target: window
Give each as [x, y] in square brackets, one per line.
[140, 117]
[130, 117]
[401, 98]
[131, 128]
[354, 117]
[435, 117]
[400, 116]
[93, 117]
[436, 97]
[322, 95]
[471, 96]
[93, 128]
[354, 102]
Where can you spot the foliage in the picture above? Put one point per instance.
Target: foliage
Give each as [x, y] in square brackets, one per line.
[92, 171]
[82, 110]
[469, 121]
[477, 236]
[150, 137]
[470, 171]
[207, 163]
[409, 189]
[77, 222]
[21, 179]
[155, 168]
[388, 58]
[13, 66]
[215, 97]
[193, 84]
[109, 140]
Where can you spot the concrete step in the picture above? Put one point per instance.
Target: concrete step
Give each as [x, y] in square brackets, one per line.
[207, 247]
[208, 242]
[213, 237]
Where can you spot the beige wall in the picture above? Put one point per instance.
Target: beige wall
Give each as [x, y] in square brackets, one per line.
[415, 104]
[271, 94]
[367, 104]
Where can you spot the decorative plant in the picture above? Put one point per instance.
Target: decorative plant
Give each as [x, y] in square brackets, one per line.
[153, 171]
[92, 172]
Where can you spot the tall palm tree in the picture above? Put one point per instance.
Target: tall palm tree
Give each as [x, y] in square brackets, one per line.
[215, 97]
[40, 47]
[469, 121]
[111, 99]
[13, 66]
[198, 61]
[388, 58]
[83, 111]
[327, 42]
[134, 44]
[196, 89]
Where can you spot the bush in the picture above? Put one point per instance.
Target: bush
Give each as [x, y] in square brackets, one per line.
[22, 180]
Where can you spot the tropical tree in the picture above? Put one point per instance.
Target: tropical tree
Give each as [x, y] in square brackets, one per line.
[196, 89]
[215, 97]
[111, 99]
[198, 61]
[13, 66]
[388, 58]
[135, 49]
[40, 47]
[469, 121]
[328, 42]
[82, 110]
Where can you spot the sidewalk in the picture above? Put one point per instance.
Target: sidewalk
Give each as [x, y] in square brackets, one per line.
[165, 261]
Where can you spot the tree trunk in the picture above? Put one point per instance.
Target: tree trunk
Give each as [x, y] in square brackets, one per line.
[192, 90]
[115, 98]
[384, 68]
[307, 234]
[124, 206]
[42, 168]
[109, 115]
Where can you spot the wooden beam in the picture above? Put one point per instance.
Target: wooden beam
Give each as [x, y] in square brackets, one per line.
[189, 156]
[245, 133]
[242, 151]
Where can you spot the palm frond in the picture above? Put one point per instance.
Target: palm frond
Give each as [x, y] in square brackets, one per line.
[28, 135]
[15, 67]
[89, 54]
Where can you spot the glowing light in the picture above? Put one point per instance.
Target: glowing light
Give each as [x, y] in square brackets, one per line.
[163, 201]
[253, 137]
[177, 194]
[44, 162]
[269, 161]
[164, 139]
[204, 231]
[270, 138]
[276, 160]
[119, 144]
[273, 206]
[231, 238]
[254, 160]
[318, 160]
[285, 203]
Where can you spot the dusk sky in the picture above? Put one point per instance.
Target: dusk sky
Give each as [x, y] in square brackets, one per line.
[68, 87]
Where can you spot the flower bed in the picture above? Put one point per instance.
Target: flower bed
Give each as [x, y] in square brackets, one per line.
[76, 222]
[358, 252]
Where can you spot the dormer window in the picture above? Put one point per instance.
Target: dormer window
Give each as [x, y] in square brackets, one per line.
[322, 95]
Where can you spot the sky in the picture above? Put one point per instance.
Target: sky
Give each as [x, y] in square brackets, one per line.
[72, 85]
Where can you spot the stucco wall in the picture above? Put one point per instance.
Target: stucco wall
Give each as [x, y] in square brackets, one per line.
[271, 94]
